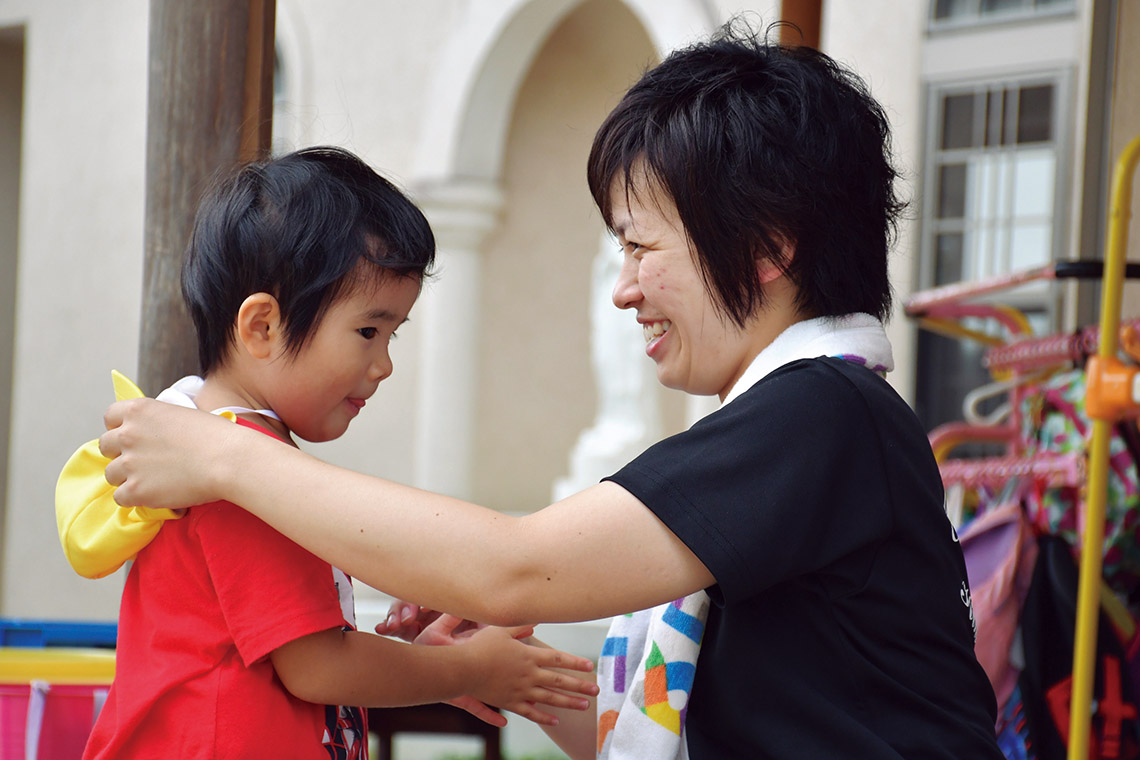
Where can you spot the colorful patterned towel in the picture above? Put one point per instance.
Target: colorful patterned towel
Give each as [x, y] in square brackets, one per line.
[646, 673]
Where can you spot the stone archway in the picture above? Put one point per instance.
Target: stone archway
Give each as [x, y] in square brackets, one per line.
[459, 168]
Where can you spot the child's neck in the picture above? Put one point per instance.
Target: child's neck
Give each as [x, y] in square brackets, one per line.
[221, 390]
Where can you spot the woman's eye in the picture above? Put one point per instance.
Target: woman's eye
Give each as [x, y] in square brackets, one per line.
[368, 333]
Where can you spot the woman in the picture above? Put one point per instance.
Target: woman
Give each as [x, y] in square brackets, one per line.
[751, 190]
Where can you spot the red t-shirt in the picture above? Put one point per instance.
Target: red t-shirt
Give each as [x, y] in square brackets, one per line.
[203, 606]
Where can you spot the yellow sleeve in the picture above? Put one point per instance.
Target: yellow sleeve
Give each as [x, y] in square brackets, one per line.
[98, 535]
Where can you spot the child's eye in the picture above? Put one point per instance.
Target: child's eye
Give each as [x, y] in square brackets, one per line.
[368, 333]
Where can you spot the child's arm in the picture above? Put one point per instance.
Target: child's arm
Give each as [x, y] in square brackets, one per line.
[355, 668]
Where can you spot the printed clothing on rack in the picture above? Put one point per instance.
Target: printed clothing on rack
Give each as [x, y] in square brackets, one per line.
[1054, 420]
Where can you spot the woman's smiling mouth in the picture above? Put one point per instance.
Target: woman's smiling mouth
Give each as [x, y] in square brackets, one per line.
[653, 330]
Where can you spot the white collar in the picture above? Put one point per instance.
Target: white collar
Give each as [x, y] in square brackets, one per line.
[859, 338]
[183, 393]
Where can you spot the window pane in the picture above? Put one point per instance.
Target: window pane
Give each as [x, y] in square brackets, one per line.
[948, 258]
[995, 117]
[952, 191]
[957, 121]
[1033, 171]
[1030, 245]
[944, 9]
[1003, 6]
[989, 184]
[984, 257]
[1035, 114]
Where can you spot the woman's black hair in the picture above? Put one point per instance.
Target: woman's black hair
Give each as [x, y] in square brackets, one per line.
[296, 227]
[762, 147]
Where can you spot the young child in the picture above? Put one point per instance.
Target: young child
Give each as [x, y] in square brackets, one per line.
[234, 641]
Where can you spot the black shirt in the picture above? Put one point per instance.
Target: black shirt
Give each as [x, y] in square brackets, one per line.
[841, 625]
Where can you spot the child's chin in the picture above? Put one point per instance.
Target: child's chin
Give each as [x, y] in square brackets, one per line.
[321, 436]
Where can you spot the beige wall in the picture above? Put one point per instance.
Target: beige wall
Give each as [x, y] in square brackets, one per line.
[853, 33]
[78, 275]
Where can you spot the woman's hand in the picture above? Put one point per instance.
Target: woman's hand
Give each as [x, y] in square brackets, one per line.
[164, 455]
[517, 676]
[407, 621]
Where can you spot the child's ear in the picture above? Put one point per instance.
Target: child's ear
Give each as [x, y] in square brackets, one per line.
[259, 326]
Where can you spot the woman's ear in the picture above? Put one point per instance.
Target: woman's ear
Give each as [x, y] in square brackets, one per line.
[258, 325]
[768, 269]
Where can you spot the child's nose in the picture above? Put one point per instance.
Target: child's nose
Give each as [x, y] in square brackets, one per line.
[381, 368]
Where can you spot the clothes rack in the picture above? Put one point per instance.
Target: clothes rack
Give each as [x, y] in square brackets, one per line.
[1112, 395]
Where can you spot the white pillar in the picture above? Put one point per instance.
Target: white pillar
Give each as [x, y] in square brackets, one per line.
[461, 213]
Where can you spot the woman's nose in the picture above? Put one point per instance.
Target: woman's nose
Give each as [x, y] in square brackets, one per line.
[627, 291]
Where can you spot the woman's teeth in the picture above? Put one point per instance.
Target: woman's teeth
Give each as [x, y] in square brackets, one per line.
[655, 329]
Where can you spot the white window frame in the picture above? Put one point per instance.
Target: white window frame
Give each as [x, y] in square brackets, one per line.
[975, 17]
[1036, 296]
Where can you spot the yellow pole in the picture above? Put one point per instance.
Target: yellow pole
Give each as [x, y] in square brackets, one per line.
[1088, 592]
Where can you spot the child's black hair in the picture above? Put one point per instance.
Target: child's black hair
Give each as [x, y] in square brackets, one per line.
[759, 146]
[295, 227]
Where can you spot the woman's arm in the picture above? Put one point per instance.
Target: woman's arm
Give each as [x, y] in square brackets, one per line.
[600, 552]
[353, 668]
[576, 732]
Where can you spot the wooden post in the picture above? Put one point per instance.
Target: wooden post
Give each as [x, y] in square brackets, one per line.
[210, 106]
[807, 16]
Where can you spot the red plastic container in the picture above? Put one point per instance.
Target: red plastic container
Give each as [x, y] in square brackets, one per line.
[49, 699]
[65, 716]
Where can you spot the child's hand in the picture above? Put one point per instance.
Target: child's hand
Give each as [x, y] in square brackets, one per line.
[416, 625]
[517, 676]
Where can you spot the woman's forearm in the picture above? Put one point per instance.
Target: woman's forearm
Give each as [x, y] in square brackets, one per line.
[597, 553]
[576, 732]
[409, 543]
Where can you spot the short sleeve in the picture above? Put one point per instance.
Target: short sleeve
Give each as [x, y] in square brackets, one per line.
[270, 590]
[785, 480]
